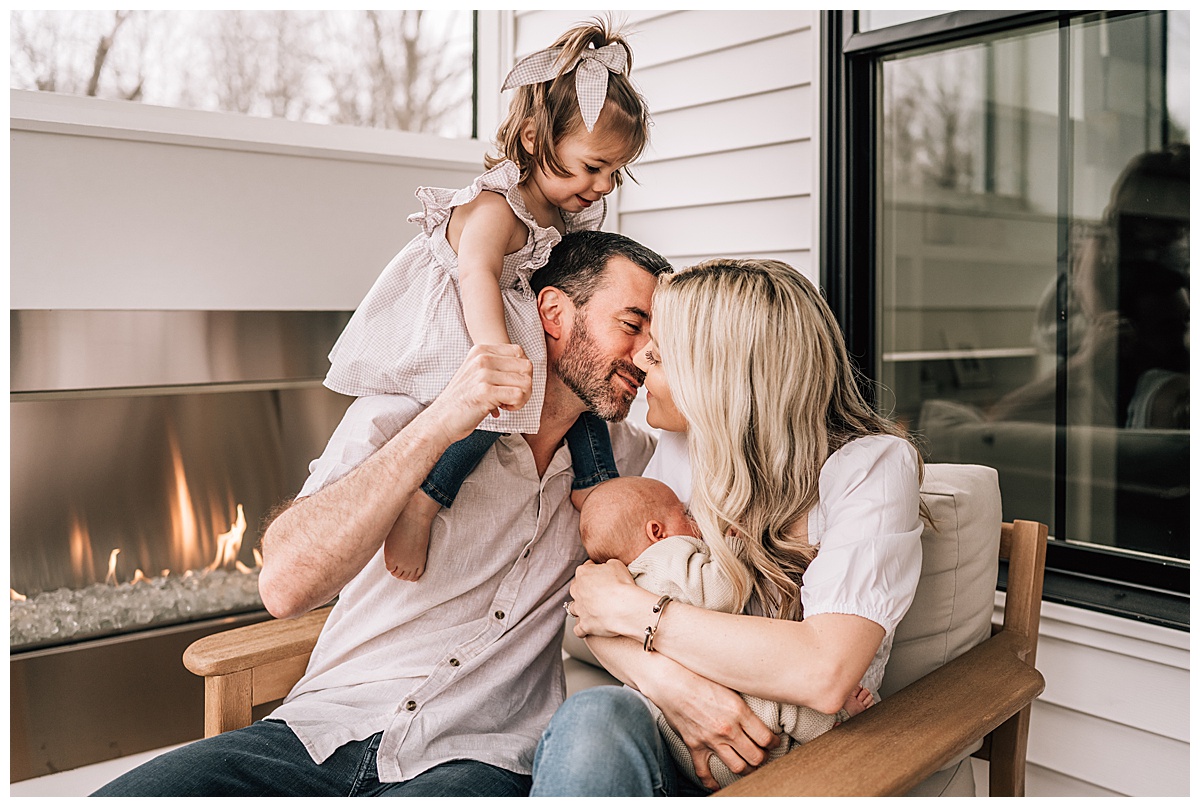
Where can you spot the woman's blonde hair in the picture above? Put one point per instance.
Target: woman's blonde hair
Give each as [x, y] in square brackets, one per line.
[553, 107]
[757, 365]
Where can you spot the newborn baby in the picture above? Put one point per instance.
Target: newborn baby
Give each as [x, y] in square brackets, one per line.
[642, 523]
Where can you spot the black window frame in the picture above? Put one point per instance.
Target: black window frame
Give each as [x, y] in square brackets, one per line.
[1141, 588]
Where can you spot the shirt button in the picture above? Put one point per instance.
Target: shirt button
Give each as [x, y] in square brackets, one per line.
[454, 662]
[526, 554]
[411, 705]
[499, 615]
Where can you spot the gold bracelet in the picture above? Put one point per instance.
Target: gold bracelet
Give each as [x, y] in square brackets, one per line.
[659, 607]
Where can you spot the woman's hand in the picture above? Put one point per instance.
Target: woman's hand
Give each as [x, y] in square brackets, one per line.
[712, 719]
[608, 602]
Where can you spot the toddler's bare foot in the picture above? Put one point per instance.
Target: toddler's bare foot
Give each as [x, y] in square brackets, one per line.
[406, 547]
[579, 496]
[859, 701]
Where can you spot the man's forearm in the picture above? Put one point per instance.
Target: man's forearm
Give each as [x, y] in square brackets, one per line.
[321, 542]
[316, 546]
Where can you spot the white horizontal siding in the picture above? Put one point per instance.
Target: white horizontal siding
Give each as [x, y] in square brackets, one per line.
[731, 166]
[769, 172]
[744, 122]
[1043, 783]
[773, 64]
[1115, 714]
[535, 30]
[751, 228]
[1107, 754]
[683, 35]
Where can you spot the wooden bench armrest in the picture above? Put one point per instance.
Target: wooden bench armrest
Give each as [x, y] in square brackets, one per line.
[255, 645]
[903, 740]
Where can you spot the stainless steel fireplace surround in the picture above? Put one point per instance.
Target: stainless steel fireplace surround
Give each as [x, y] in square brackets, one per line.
[136, 439]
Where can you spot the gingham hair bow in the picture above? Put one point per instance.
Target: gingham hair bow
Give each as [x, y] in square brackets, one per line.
[591, 75]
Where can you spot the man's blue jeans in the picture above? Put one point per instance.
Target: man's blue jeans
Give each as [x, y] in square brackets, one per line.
[267, 759]
[603, 741]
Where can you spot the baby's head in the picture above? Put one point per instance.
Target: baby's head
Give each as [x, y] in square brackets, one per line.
[546, 110]
[623, 516]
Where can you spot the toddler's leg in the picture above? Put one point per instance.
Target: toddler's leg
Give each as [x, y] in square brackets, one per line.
[407, 545]
[591, 454]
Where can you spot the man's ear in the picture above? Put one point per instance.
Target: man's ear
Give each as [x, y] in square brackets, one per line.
[655, 531]
[556, 311]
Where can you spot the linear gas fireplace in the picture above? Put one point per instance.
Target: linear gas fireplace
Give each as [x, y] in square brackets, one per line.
[146, 449]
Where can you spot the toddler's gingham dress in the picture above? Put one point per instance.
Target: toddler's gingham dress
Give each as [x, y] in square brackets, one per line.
[409, 335]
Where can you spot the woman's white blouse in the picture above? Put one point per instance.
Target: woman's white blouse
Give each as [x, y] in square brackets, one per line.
[867, 526]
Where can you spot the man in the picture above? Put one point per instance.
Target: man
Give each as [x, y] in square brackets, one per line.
[443, 686]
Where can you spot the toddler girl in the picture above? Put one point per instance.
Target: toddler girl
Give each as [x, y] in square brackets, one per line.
[574, 123]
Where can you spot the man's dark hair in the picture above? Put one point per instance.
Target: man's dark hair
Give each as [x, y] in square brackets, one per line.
[577, 263]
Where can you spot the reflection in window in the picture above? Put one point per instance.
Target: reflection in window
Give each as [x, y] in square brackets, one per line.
[1034, 270]
[406, 70]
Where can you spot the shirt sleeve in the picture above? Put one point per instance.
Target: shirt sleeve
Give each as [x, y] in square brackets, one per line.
[369, 422]
[869, 530]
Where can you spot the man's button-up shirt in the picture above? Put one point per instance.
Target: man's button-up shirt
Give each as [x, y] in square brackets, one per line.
[465, 663]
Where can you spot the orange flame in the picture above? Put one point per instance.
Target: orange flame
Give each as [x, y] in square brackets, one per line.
[230, 543]
[138, 577]
[111, 579]
[81, 551]
[183, 515]
[15, 596]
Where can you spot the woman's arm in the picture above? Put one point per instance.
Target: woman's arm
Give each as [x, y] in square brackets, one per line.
[860, 584]
[710, 718]
[815, 663]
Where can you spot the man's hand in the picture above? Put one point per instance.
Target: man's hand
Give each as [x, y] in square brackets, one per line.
[493, 377]
[712, 719]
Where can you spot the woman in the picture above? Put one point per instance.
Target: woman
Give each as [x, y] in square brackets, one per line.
[767, 435]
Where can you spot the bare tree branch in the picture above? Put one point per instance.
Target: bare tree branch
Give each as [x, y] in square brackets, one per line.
[102, 49]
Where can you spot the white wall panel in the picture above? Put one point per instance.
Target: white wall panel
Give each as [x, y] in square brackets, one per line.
[538, 29]
[731, 166]
[110, 223]
[745, 227]
[1042, 783]
[1115, 713]
[769, 172]
[745, 122]
[1107, 754]
[1097, 681]
[772, 64]
[686, 34]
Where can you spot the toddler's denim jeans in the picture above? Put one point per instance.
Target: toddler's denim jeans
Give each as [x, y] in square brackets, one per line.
[591, 454]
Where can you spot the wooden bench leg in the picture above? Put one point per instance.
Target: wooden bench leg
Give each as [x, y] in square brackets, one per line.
[227, 702]
[1010, 741]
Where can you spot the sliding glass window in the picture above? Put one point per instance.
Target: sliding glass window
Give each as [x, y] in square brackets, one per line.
[1032, 275]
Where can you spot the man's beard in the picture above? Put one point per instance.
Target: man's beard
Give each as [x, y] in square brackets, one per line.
[583, 371]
